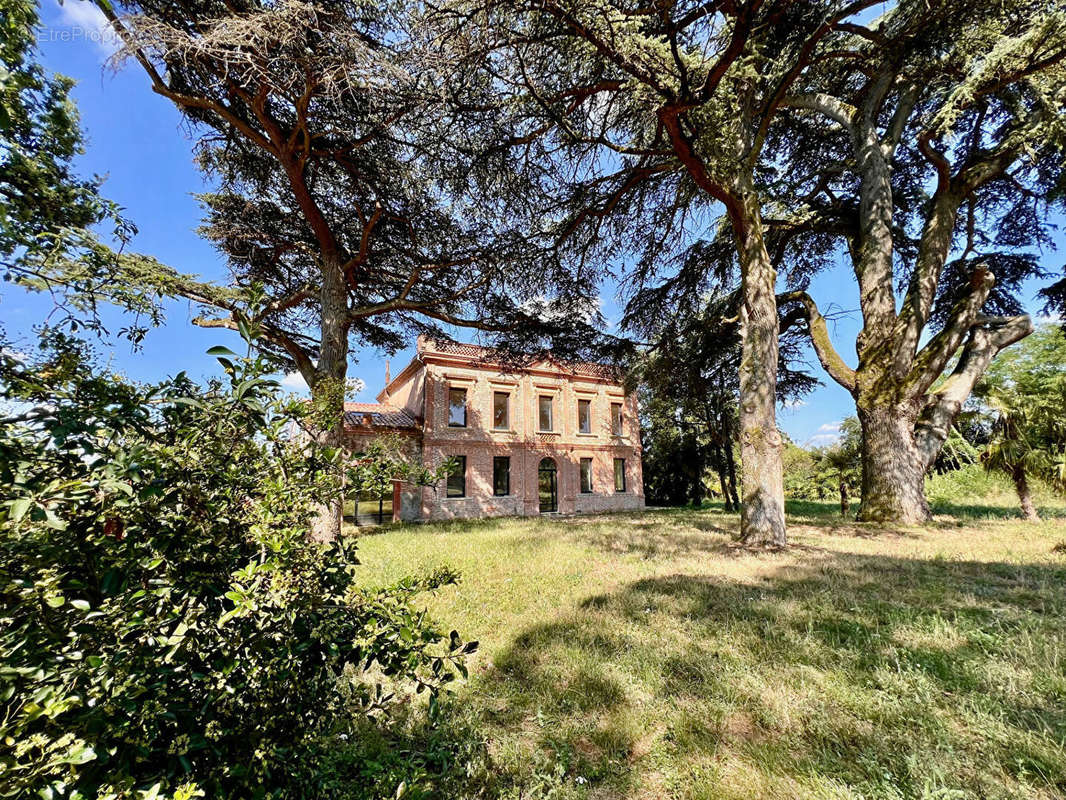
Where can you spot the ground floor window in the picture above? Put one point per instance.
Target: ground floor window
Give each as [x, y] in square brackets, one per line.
[457, 477]
[501, 476]
[586, 476]
[619, 474]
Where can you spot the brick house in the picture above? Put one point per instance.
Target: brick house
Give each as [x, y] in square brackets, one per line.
[543, 438]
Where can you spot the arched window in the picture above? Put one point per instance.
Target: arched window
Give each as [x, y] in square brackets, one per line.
[548, 486]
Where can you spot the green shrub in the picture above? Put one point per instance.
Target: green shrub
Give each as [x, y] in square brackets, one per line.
[167, 627]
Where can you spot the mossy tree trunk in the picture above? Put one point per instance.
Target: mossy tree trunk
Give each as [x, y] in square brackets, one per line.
[893, 467]
[906, 411]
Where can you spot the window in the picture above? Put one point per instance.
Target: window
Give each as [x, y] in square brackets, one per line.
[501, 411]
[501, 476]
[619, 474]
[457, 477]
[616, 419]
[456, 408]
[586, 476]
[545, 408]
[584, 416]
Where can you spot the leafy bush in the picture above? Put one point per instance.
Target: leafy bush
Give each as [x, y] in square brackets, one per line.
[167, 627]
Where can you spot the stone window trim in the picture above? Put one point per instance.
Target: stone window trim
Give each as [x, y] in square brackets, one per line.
[584, 422]
[618, 417]
[541, 397]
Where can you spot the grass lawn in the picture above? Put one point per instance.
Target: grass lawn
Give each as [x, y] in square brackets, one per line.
[646, 656]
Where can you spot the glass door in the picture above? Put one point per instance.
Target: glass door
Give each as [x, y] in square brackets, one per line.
[548, 484]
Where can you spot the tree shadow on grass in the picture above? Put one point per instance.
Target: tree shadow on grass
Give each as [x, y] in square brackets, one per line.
[842, 675]
[652, 539]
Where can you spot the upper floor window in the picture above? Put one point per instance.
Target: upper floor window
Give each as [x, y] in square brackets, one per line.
[586, 476]
[619, 474]
[501, 411]
[456, 408]
[616, 419]
[584, 416]
[544, 408]
[457, 477]
[501, 475]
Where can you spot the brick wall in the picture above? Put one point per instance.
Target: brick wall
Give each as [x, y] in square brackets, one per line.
[525, 444]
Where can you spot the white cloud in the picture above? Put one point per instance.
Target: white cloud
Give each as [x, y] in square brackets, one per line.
[84, 22]
[828, 434]
[1048, 319]
[587, 310]
[294, 380]
[353, 386]
[822, 439]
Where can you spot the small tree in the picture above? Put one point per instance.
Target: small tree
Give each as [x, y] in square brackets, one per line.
[840, 464]
[1025, 394]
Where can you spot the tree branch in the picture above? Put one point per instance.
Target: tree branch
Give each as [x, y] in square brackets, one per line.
[989, 336]
[827, 355]
[930, 362]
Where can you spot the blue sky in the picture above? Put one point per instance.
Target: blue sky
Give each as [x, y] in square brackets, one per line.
[138, 141]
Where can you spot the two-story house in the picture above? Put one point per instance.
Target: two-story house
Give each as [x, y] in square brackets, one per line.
[543, 438]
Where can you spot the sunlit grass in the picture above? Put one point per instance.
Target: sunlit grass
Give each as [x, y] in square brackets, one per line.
[649, 656]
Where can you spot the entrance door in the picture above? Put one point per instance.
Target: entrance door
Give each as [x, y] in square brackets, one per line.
[548, 484]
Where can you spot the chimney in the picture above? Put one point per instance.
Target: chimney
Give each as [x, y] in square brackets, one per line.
[388, 378]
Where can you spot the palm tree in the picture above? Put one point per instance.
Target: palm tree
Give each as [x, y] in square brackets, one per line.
[1025, 392]
[1017, 449]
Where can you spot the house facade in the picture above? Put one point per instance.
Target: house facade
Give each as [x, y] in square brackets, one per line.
[545, 438]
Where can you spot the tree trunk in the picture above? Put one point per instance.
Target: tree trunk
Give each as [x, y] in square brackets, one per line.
[1021, 484]
[717, 433]
[731, 471]
[719, 460]
[762, 513]
[327, 392]
[893, 468]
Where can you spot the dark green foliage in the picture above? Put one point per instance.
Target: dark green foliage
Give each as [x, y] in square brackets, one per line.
[688, 374]
[168, 628]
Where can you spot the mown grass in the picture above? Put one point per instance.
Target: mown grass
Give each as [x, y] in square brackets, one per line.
[647, 656]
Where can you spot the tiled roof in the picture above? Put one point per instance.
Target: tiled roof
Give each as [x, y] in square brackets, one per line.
[381, 416]
[476, 351]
